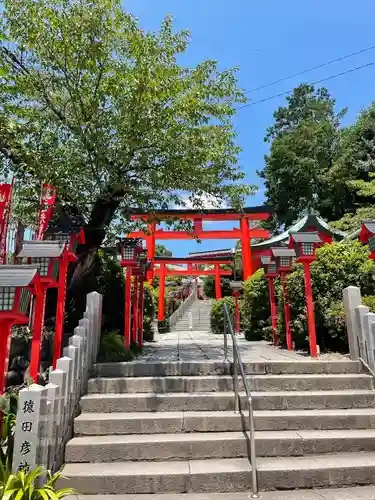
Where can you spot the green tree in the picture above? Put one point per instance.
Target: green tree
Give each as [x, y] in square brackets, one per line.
[355, 167]
[304, 141]
[102, 110]
[162, 251]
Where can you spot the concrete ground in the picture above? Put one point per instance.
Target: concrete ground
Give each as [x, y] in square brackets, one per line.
[202, 346]
[358, 493]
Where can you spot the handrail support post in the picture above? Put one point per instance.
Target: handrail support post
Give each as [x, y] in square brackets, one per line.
[235, 380]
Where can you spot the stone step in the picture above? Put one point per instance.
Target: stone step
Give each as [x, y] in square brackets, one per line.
[224, 401]
[201, 326]
[351, 493]
[193, 368]
[192, 446]
[196, 326]
[94, 424]
[216, 383]
[225, 475]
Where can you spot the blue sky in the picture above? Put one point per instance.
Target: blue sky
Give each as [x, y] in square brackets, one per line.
[267, 40]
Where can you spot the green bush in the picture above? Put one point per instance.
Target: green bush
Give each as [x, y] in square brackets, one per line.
[149, 308]
[217, 313]
[256, 318]
[209, 287]
[337, 266]
[112, 348]
[369, 301]
[111, 286]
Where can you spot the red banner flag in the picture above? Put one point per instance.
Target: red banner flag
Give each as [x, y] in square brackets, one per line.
[47, 205]
[5, 207]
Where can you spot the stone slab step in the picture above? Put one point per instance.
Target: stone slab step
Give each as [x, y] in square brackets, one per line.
[216, 383]
[356, 493]
[95, 424]
[224, 401]
[185, 446]
[193, 368]
[228, 475]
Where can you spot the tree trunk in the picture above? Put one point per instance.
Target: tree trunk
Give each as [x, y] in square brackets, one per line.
[84, 277]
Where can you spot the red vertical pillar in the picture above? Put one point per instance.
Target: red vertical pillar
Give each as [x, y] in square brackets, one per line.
[151, 242]
[5, 332]
[238, 324]
[246, 251]
[60, 311]
[38, 323]
[161, 314]
[127, 309]
[140, 309]
[310, 311]
[217, 282]
[273, 310]
[286, 314]
[135, 310]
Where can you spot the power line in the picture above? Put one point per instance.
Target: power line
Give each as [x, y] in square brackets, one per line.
[310, 69]
[312, 83]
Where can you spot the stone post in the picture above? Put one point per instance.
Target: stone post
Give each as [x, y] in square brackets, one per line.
[368, 320]
[28, 428]
[72, 352]
[80, 331]
[65, 364]
[78, 342]
[59, 378]
[84, 323]
[360, 313]
[52, 395]
[352, 299]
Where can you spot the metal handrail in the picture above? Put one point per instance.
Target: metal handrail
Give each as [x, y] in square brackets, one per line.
[237, 363]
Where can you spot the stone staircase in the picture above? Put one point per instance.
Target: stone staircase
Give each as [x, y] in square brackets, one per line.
[200, 311]
[169, 427]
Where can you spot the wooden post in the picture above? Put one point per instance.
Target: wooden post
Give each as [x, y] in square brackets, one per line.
[286, 313]
[60, 311]
[217, 282]
[271, 285]
[246, 251]
[127, 309]
[38, 324]
[310, 311]
[150, 245]
[135, 310]
[140, 310]
[161, 313]
[5, 333]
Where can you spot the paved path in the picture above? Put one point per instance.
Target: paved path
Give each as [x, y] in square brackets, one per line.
[200, 346]
[359, 493]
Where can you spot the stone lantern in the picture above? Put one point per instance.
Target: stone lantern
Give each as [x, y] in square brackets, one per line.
[270, 273]
[305, 245]
[47, 255]
[285, 258]
[17, 283]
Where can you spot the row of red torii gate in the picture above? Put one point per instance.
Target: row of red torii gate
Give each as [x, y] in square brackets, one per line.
[245, 231]
[297, 242]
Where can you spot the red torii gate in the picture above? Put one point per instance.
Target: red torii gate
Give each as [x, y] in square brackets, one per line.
[244, 233]
[192, 270]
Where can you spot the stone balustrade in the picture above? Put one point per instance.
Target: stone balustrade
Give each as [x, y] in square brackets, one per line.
[360, 324]
[45, 414]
